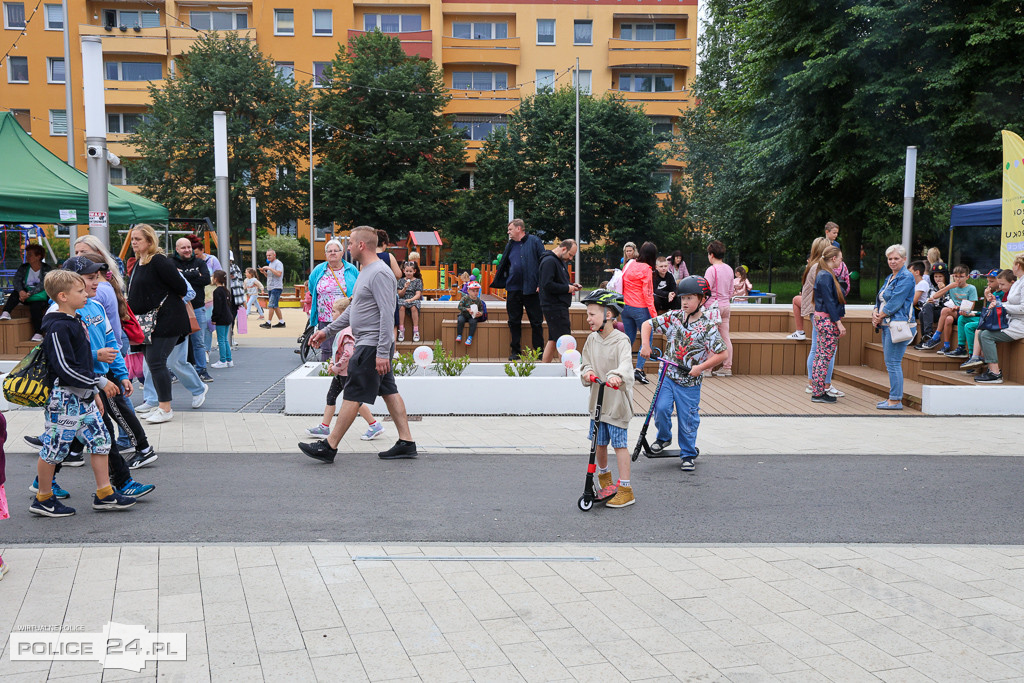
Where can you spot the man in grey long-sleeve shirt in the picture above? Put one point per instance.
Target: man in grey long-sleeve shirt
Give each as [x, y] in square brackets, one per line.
[371, 316]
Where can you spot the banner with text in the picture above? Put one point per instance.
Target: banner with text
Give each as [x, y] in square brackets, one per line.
[1011, 241]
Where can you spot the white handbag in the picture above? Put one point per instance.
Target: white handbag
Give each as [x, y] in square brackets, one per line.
[900, 331]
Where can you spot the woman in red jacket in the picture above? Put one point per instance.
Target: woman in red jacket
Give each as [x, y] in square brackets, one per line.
[638, 291]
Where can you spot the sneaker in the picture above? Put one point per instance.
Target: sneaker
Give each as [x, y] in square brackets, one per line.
[724, 372]
[5, 316]
[458, 337]
[266, 325]
[37, 337]
[205, 376]
[198, 401]
[159, 416]
[469, 341]
[174, 379]
[401, 334]
[319, 430]
[688, 464]
[58, 492]
[50, 508]
[373, 432]
[823, 398]
[260, 317]
[639, 376]
[142, 458]
[144, 408]
[115, 501]
[970, 371]
[231, 363]
[958, 352]
[319, 450]
[809, 389]
[989, 377]
[280, 324]
[133, 489]
[659, 446]
[832, 391]
[944, 351]
[623, 497]
[34, 441]
[401, 449]
[73, 460]
[415, 335]
[799, 334]
[930, 344]
[971, 362]
[604, 480]
[219, 364]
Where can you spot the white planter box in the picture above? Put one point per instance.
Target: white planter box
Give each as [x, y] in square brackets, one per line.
[483, 389]
[965, 400]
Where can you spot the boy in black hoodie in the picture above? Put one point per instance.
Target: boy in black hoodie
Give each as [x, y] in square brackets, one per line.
[74, 409]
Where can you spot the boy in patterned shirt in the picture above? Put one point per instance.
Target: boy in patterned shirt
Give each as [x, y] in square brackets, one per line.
[693, 343]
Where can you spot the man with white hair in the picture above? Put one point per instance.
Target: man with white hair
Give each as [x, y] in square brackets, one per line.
[198, 275]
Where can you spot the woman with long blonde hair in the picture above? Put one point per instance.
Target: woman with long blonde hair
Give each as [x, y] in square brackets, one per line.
[807, 308]
[829, 309]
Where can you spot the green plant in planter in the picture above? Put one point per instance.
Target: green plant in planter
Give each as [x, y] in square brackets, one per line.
[404, 365]
[447, 365]
[524, 365]
[323, 371]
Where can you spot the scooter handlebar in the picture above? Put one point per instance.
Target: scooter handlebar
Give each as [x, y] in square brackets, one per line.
[597, 380]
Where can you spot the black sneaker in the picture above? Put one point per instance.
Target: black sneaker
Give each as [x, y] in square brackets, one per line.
[73, 460]
[280, 324]
[115, 501]
[319, 450]
[34, 441]
[401, 449]
[958, 352]
[972, 362]
[50, 508]
[989, 377]
[688, 465]
[204, 375]
[824, 398]
[639, 376]
[265, 326]
[930, 344]
[659, 446]
[142, 458]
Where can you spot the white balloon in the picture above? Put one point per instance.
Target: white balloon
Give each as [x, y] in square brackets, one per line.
[566, 342]
[571, 360]
[423, 355]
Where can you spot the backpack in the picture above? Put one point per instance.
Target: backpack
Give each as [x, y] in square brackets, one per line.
[28, 383]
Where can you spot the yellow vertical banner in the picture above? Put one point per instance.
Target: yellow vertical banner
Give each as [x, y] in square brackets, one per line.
[1011, 240]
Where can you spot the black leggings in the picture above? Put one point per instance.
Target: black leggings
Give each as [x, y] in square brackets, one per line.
[156, 358]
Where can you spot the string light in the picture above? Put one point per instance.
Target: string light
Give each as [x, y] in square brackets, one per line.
[24, 30]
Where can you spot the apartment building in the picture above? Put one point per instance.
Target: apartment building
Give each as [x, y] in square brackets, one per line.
[491, 54]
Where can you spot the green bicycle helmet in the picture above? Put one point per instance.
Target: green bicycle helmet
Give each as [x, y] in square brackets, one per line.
[607, 298]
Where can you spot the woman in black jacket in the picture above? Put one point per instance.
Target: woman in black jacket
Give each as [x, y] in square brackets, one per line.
[155, 283]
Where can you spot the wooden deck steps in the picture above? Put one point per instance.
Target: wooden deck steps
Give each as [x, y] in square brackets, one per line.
[876, 382]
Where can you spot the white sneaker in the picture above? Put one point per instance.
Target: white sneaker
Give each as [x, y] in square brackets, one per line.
[37, 337]
[835, 392]
[231, 363]
[219, 365]
[809, 390]
[5, 316]
[799, 334]
[144, 408]
[198, 401]
[158, 416]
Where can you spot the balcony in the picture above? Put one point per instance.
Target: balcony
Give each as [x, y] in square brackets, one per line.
[482, 101]
[129, 93]
[657, 103]
[503, 51]
[661, 53]
[145, 41]
[180, 39]
[414, 43]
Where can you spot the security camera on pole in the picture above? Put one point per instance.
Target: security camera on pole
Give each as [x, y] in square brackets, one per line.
[95, 138]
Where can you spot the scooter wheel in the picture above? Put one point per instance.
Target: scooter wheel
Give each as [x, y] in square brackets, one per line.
[584, 503]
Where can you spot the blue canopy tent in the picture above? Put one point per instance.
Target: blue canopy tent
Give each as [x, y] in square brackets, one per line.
[977, 214]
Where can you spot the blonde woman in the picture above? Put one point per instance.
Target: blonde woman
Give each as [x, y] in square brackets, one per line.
[156, 285]
[829, 310]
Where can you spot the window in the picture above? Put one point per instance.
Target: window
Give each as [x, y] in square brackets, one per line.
[662, 182]
[661, 126]
[647, 32]
[585, 81]
[58, 122]
[17, 69]
[284, 22]
[545, 79]
[218, 21]
[323, 22]
[478, 127]
[286, 70]
[132, 18]
[319, 81]
[134, 71]
[24, 117]
[14, 15]
[320, 232]
[480, 30]
[646, 83]
[124, 123]
[545, 31]
[54, 18]
[583, 32]
[290, 228]
[479, 80]
[55, 70]
[118, 176]
[392, 23]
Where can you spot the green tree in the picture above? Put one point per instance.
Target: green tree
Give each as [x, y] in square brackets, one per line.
[266, 127]
[388, 155]
[533, 162]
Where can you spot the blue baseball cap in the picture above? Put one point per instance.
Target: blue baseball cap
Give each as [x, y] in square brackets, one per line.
[83, 265]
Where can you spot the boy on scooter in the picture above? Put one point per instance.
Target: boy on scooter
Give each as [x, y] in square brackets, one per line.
[693, 344]
[607, 354]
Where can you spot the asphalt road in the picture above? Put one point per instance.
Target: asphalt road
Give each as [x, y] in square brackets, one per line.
[523, 498]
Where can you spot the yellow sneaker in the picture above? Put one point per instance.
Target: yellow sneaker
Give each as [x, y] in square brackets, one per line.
[622, 498]
[604, 480]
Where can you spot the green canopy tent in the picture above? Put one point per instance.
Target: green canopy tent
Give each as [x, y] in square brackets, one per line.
[38, 187]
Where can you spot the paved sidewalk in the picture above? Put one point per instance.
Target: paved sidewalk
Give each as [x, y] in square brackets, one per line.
[736, 613]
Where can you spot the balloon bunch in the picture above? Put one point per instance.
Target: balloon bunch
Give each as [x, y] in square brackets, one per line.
[566, 347]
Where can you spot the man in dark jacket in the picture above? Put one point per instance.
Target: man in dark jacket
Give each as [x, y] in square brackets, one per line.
[198, 275]
[556, 292]
[517, 275]
[28, 289]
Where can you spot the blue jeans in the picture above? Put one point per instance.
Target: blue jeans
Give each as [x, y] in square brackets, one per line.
[177, 362]
[224, 343]
[813, 352]
[199, 344]
[253, 301]
[687, 403]
[893, 353]
[632, 319]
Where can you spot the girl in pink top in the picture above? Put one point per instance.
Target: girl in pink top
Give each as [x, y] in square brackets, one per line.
[638, 292]
[720, 276]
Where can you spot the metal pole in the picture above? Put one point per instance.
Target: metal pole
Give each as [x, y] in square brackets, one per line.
[909, 183]
[312, 228]
[95, 137]
[220, 164]
[252, 227]
[578, 250]
[68, 106]
[511, 209]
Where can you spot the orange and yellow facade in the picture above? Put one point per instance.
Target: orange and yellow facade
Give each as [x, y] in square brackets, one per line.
[491, 54]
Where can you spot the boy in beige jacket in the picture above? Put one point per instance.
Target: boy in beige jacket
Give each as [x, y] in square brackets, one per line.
[607, 353]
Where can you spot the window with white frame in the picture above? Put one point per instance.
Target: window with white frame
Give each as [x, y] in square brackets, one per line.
[585, 77]
[17, 69]
[479, 80]
[545, 79]
[647, 32]
[478, 127]
[319, 80]
[661, 126]
[54, 17]
[321, 231]
[284, 22]
[218, 21]
[662, 182]
[134, 71]
[646, 82]
[286, 70]
[58, 122]
[132, 18]
[124, 123]
[118, 176]
[480, 30]
[583, 32]
[545, 31]
[323, 22]
[14, 15]
[392, 23]
[61, 230]
[55, 70]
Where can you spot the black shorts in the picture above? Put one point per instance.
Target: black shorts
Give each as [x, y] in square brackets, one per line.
[364, 384]
[558, 322]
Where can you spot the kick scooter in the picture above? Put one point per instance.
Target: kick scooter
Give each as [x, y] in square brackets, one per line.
[589, 497]
[642, 445]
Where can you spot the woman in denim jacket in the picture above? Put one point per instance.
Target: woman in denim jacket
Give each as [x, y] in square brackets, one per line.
[894, 302]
